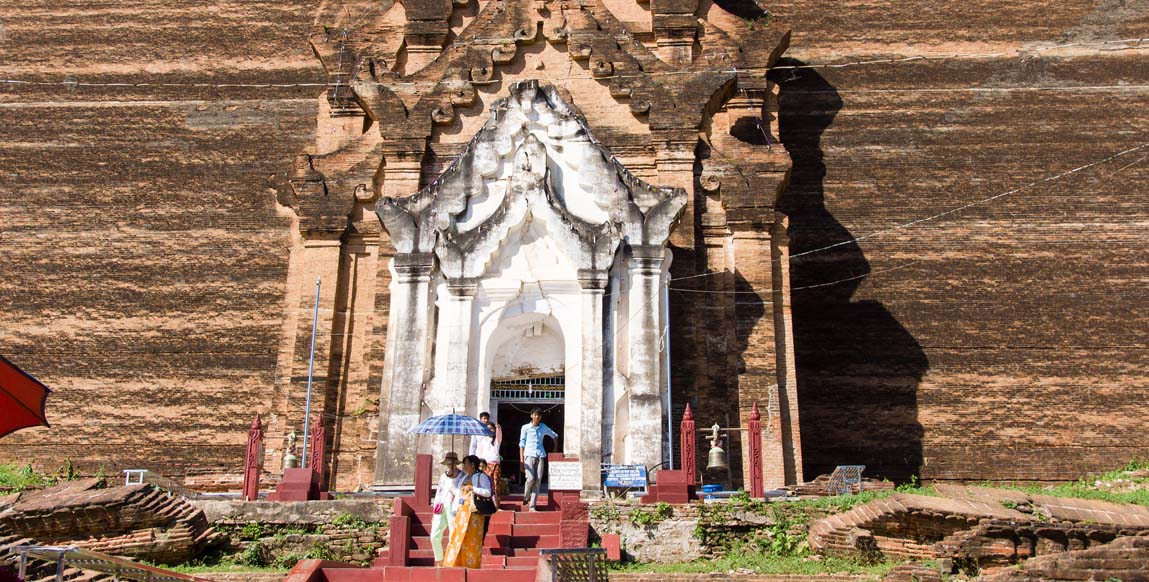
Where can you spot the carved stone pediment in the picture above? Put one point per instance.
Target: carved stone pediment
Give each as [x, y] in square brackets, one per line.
[534, 159]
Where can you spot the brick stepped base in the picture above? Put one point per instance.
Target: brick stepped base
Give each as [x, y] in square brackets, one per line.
[136, 521]
[38, 571]
[510, 550]
[976, 527]
[1125, 559]
[903, 525]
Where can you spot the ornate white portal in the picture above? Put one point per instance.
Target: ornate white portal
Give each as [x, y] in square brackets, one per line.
[534, 252]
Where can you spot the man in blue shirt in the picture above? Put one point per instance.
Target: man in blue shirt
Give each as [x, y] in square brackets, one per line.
[531, 454]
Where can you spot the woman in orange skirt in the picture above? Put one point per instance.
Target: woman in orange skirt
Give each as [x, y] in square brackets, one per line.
[465, 549]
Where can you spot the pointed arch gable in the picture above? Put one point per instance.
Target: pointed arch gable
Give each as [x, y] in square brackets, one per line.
[519, 166]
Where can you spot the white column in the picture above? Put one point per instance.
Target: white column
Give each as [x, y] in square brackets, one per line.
[450, 390]
[644, 268]
[593, 284]
[405, 366]
[452, 387]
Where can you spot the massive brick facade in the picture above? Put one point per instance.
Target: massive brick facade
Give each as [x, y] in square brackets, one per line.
[143, 258]
[673, 92]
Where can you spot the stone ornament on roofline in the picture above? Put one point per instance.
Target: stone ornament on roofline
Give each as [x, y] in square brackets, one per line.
[535, 158]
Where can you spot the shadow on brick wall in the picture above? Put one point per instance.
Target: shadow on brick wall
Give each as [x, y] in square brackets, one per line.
[858, 368]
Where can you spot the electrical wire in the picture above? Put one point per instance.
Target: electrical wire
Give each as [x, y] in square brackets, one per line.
[972, 204]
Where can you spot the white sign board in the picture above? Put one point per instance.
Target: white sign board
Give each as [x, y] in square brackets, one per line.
[566, 476]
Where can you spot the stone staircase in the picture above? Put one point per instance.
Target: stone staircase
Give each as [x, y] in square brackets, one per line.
[510, 551]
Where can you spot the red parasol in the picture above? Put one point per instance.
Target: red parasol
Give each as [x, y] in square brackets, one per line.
[22, 399]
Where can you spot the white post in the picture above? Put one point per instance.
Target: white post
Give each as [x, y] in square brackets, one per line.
[405, 364]
[646, 403]
[593, 283]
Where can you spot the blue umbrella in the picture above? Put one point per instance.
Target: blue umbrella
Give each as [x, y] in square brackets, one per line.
[452, 424]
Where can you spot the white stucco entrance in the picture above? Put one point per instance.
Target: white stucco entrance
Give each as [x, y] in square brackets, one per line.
[534, 254]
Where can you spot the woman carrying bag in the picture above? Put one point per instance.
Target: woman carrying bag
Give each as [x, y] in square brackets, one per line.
[470, 525]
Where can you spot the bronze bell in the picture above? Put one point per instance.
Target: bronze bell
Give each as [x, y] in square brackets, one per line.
[717, 457]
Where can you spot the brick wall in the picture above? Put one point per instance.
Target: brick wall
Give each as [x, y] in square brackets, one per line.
[143, 263]
[1004, 341]
[142, 258]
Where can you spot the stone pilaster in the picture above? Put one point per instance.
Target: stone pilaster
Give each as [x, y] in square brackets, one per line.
[593, 283]
[784, 348]
[349, 386]
[405, 368]
[311, 258]
[644, 382]
[453, 390]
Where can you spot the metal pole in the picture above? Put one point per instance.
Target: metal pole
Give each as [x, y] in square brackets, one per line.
[666, 368]
[310, 373]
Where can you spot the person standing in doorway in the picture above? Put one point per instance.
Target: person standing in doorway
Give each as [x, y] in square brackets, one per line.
[532, 453]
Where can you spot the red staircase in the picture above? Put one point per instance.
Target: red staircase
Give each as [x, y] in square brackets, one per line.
[510, 550]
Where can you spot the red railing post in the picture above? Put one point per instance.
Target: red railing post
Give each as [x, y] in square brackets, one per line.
[423, 480]
[686, 448]
[316, 456]
[251, 461]
[755, 428]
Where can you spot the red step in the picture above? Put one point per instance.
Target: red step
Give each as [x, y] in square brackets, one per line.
[532, 529]
[522, 561]
[539, 517]
[552, 541]
[507, 575]
[491, 561]
[423, 543]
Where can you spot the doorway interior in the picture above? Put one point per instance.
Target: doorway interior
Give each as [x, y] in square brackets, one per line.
[511, 402]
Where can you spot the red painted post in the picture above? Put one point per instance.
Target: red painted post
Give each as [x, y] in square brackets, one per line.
[686, 448]
[755, 428]
[399, 545]
[316, 456]
[251, 461]
[423, 480]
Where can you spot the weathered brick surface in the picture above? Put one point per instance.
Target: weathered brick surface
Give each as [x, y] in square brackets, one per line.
[143, 263]
[137, 521]
[1126, 558]
[975, 527]
[141, 257]
[1016, 326]
[902, 525]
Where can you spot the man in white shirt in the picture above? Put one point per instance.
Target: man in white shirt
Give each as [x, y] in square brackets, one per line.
[444, 504]
[532, 453]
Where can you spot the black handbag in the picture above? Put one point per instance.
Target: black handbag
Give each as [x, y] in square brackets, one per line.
[484, 505]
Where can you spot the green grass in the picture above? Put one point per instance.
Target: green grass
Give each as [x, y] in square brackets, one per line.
[1086, 487]
[761, 563]
[19, 478]
[221, 567]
